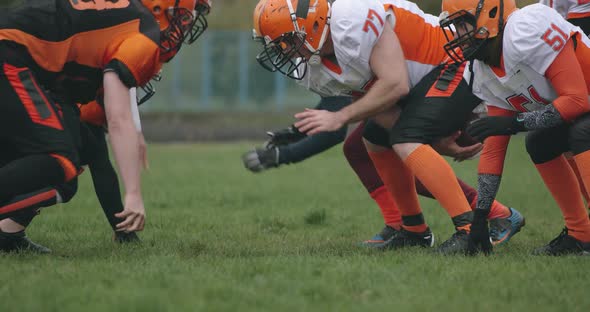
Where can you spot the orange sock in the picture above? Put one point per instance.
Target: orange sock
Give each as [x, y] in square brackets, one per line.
[572, 163]
[399, 181]
[498, 210]
[563, 185]
[391, 214]
[438, 177]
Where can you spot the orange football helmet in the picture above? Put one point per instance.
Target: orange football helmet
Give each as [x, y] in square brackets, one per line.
[469, 23]
[284, 27]
[181, 21]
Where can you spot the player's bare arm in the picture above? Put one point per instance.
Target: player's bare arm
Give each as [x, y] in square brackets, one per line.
[389, 87]
[125, 142]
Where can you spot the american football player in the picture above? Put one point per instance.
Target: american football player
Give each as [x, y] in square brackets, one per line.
[71, 49]
[378, 51]
[533, 73]
[576, 12]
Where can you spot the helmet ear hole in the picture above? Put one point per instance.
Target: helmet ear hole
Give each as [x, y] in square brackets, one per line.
[316, 27]
[157, 9]
[493, 12]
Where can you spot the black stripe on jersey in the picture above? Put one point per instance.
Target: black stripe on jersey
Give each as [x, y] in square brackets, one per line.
[30, 86]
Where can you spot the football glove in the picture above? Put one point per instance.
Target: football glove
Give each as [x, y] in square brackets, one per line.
[260, 159]
[479, 237]
[283, 137]
[485, 127]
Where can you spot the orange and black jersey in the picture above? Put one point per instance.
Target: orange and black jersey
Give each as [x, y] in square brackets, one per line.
[70, 43]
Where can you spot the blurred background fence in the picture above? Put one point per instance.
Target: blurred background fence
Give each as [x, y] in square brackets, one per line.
[219, 72]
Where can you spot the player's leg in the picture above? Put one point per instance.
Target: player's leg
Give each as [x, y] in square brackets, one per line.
[32, 128]
[546, 148]
[12, 230]
[279, 153]
[359, 160]
[439, 105]
[400, 183]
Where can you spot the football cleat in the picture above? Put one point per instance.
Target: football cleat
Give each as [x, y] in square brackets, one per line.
[457, 244]
[564, 244]
[379, 239]
[405, 238]
[260, 159]
[126, 238]
[19, 242]
[502, 229]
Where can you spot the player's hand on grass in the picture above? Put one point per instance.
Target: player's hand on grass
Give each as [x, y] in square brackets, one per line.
[448, 146]
[143, 152]
[479, 237]
[485, 127]
[133, 214]
[313, 121]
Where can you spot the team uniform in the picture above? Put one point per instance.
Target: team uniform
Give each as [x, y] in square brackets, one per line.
[54, 54]
[355, 32]
[531, 48]
[93, 151]
[439, 102]
[576, 12]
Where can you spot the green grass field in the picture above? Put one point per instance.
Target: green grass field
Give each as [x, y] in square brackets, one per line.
[221, 238]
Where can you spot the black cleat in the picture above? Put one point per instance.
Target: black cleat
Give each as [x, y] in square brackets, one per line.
[564, 244]
[126, 238]
[405, 238]
[380, 238]
[19, 242]
[456, 244]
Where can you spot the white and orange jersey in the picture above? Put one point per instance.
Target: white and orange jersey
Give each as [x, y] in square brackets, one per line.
[530, 46]
[569, 8]
[355, 28]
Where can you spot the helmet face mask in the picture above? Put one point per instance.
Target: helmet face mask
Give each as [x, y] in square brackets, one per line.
[284, 55]
[292, 33]
[468, 24]
[464, 40]
[181, 21]
[200, 21]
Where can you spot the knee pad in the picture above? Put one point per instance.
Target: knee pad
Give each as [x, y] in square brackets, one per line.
[579, 135]
[546, 144]
[69, 168]
[376, 134]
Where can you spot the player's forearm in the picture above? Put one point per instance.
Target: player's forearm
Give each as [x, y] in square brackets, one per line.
[124, 141]
[123, 135]
[381, 96]
[487, 188]
[547, 117]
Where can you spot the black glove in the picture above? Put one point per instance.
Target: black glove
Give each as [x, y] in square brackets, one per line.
[283, 137]
[485, 127]
[260, 159]
[479, 238]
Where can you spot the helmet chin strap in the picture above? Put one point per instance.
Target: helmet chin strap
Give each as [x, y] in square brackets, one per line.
[314, 60]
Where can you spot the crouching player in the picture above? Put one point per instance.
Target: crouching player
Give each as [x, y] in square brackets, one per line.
[534, 73]
[73, 48]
